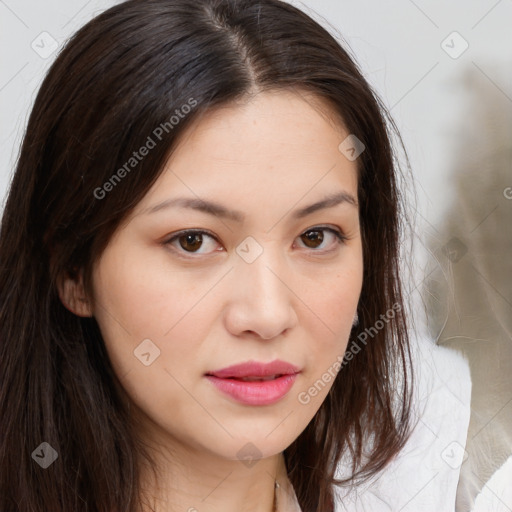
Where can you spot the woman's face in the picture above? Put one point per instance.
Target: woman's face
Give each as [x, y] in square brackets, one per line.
[264, 278]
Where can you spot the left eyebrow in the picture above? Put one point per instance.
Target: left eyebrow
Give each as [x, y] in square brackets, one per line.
[327, 202]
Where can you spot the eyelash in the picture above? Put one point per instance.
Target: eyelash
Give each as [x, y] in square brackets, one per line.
[340, 239]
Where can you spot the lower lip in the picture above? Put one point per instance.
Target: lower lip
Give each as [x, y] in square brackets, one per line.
[256, 392]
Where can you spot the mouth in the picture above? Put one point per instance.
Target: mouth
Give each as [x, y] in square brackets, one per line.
[256, 378]
[256, 371]
[255, 383]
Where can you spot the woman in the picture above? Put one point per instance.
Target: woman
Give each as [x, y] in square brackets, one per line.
[200, 300]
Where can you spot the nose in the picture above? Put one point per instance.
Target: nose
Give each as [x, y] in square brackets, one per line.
[261, 301]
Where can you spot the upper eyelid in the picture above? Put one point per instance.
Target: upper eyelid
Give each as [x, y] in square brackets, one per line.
[192, 230]
[209, 233]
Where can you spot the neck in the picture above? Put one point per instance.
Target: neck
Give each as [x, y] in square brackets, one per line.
[196, 480]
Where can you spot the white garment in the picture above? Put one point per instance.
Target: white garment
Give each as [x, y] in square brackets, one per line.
[286, 498]
[424, 476]
[496, 495]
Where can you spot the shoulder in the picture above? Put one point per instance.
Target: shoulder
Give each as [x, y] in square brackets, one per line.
[424, 476]
[496, 495]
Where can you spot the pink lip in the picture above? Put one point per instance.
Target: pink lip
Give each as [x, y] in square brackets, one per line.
[255, 392]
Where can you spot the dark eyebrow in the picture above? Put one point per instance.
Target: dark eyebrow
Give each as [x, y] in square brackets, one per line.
[328, 202]
[219, 210]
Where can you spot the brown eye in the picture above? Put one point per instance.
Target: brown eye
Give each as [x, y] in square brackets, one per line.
[318, 239]
[313, 238]
[191, 242]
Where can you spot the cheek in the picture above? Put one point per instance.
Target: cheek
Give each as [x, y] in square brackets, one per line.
[332, 298]
[136, 302]
[329, 324]
[153, 322]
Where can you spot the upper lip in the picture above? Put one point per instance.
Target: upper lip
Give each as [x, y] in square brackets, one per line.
[256, 369]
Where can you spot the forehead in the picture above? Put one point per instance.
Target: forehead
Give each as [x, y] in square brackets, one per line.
[268, 118]
[274, 146]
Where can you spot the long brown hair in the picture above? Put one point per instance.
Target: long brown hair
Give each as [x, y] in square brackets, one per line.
[121, 76]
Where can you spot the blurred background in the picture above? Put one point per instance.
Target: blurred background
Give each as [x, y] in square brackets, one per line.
[444, 70]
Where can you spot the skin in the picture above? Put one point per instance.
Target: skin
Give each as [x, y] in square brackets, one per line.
[268, 156]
